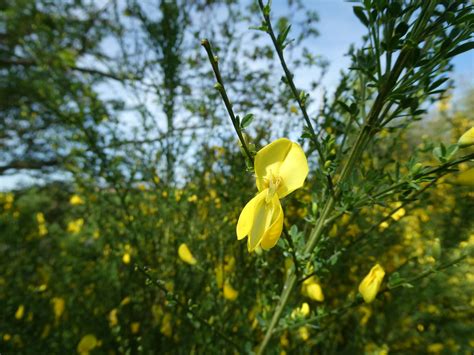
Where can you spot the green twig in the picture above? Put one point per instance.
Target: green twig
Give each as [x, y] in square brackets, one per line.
[221, 88]
[289, 78]
[172, 296]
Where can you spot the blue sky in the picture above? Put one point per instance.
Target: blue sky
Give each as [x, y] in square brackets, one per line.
[338, 28]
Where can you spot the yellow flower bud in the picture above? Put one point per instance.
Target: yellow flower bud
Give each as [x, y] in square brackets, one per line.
[370, 285]
[87, 343]
[467, 139]
[76, 200]
[20, 312]
[315, 292]
[229, 292]
[58, 306]
[185, 254]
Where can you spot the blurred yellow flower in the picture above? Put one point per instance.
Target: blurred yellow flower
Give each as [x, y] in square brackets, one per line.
[126, 258]
[185, 255]
[76, 200]
[125, 301]
[370, 285]
[42, 229]
[166, 327]
[229, 292]
[20, 312]
[300, 312]
[113, 320]
[303, 333]
[58, 306]
[435, 348]
[313, 290]
[280, 168]
[399, 213]
[467, 139]
[40, 218]
[135, 327]
[87, 343]
[465, 178]
[75, 226]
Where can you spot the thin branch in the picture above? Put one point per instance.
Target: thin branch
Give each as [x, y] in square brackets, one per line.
[160, 285]
[289, 78]
[221, 88]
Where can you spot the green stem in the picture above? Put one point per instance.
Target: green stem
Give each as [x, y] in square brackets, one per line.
[356, 150]
[221, 88]
[289, 78]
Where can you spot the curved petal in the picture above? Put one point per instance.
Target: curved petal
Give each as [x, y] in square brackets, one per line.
[246, 217]
[263, 213]
[269, 159]
[273, 233]
[293, 170]
[370, 285]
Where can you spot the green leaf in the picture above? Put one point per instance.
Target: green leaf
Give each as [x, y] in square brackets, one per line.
[267, 8]
[247, 120]
[282, 36]
[359, 12]
[401, 29]
[460, 49]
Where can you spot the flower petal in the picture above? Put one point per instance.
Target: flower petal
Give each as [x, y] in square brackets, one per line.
[370, 285]
[293, 170]
[247, 216]
[262, 220]
[269, 159]
[273, 233]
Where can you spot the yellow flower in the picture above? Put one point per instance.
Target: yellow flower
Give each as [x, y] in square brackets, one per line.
[40, 218]
[20, 312]
[135, 327]
[58, 306]
[399, 213]
[465, 178]
[303, 311]
[75, 226]
[467, 139]
[113, 320]
[87, 343]
[185, 255]
[303, 333]
[229, 292]
[370, 285]
[313, 290]
[166, 327]
[280, 168]
[435, 348]
[126, 258]
[76, 200]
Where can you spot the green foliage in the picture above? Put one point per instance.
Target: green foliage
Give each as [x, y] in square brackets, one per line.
[92, 263]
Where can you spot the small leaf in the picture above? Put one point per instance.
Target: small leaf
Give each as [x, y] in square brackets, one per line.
[460, 49]
[401, 29]
[282, 36]
[247, 120]
[359, 12]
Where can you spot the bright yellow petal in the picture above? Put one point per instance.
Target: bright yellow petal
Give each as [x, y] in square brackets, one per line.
[269, 159]
[272, 234]
[247, 216]
[315, 292]
[370, 285]
[293, 170]
[185, 255]
[467, 139]
[262, 219]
